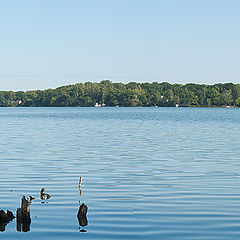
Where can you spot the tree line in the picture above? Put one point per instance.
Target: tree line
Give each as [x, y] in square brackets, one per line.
[133, 94]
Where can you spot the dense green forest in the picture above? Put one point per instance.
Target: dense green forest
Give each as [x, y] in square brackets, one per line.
[107, 93]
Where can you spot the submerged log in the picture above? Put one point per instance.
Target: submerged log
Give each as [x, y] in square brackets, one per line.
[82, 215]
[23, 216]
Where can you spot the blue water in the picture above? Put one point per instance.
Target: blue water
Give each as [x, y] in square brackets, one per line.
[148, 173]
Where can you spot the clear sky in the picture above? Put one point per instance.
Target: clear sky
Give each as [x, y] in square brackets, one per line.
[49, 43]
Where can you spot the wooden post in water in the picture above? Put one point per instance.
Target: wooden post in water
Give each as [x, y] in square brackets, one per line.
[23, 216]
[80, 186]
[80, 181]
[25, 208]
[82, 215]
[82, 211]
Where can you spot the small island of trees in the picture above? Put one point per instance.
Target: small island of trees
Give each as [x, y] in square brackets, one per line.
[133, 94]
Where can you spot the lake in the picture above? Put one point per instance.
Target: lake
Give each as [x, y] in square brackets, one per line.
[148, 173]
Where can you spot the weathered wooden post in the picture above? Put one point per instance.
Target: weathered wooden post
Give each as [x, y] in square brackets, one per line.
[80, 181]
[80, 186]
[82, 211]
[82, 215]
[23, 216]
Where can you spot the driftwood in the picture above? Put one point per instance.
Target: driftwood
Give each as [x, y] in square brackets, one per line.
[5, 218]
[82, 215]
[23, 216]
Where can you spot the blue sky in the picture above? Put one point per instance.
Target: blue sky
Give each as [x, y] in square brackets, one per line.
[49, 43]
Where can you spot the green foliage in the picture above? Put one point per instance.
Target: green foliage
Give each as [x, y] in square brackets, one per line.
[132, 94]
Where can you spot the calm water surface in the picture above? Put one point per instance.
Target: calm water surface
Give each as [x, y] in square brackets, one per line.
[148, 173]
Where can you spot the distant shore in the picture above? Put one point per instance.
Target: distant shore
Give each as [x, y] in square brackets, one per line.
[133, 94]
